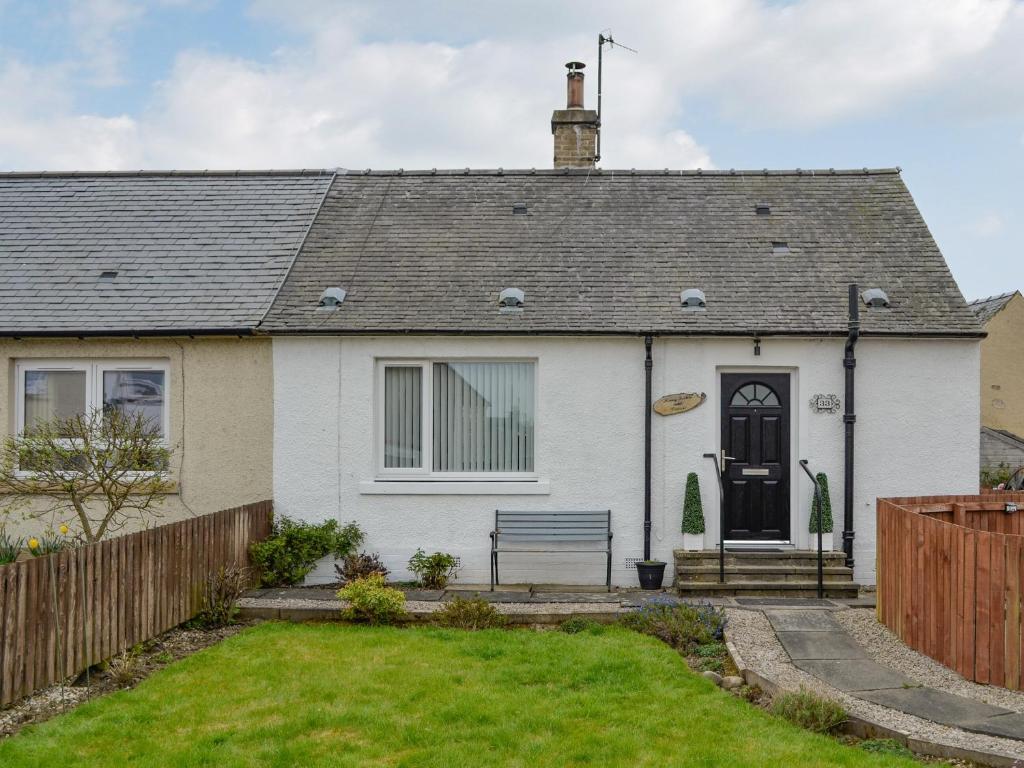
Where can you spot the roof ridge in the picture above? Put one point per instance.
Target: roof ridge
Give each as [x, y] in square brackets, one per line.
[170, 173]
[995, 297]
[460, 172]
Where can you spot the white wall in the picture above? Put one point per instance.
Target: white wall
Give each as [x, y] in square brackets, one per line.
[917, 432]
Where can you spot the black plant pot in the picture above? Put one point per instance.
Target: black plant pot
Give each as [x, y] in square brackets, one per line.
[651, 573]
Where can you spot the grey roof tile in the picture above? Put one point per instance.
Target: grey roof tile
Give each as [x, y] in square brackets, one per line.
[986, 309]
[193, 251]
[609, 252]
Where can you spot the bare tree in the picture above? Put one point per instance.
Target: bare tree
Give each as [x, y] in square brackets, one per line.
[107, 469]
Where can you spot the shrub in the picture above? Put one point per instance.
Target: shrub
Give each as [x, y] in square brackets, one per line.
[9, 548]
[433, 571]
[372, 601]
[578, 624]
[358, 566]
[826, 507]
[885, 747]
[808, 710]
[693, 507]
[993, 477]
[710, 650]
[220, 595]
[682, 626]
[477, 613]
[125, 668]
[293, 547]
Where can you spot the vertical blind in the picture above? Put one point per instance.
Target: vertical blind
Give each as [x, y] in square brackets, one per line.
[403, 408]
[483, 417]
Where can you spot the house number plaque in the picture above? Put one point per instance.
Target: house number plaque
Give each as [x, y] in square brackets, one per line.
[825, 403]
[678, 403]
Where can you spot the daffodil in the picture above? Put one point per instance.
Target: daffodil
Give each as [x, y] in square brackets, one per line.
[63, 530]
[33, 543]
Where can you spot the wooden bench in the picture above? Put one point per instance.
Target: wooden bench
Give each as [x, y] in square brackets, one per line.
[527, 530]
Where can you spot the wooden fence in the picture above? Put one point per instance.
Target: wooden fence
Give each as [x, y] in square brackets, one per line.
[950, 573]
[62, 613]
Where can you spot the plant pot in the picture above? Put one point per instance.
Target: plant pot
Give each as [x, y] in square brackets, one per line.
[651, 574]
[693, 541]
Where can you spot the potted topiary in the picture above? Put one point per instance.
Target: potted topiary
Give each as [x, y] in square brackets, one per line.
[693, 515]
[826, 507]
[651, 573]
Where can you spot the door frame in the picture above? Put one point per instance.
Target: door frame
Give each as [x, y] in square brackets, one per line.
[794, 439]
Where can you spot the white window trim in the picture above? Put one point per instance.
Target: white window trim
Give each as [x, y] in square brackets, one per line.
[94, 370]
[425, 473]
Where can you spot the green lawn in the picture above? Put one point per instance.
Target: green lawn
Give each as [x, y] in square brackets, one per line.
[333, 695]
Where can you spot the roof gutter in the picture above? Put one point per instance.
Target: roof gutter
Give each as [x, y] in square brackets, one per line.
[127, 333]
[743, 334]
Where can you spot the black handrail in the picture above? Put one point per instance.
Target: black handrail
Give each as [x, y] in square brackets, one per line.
[817, 498]
[721, 518]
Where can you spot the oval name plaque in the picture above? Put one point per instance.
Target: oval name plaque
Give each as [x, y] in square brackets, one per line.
[682, 402]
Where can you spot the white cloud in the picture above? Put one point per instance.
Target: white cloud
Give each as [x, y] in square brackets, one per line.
[366, 87]
[97, 26]
[988, 224]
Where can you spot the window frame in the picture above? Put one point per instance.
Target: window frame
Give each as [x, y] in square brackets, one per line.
[94, 370]
[426, 472]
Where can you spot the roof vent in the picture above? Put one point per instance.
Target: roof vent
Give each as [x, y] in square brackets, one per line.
[762, 209]
[875, 298]
[511, 299]
[693, 298]
[780, 247]
[108, 275]
[519, 208]
[331, 299]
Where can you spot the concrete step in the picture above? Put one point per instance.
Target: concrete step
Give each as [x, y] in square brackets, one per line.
[773, 573]
[751, 588]
[793, 557]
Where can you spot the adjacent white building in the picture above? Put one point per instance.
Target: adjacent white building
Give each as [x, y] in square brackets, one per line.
[424, 401]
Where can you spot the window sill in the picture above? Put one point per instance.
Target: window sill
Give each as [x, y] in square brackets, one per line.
[455, 488]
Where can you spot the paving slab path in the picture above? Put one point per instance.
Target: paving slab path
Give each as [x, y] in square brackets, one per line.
[818, 644]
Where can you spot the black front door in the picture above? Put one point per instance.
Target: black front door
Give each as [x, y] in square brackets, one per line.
[755, 433]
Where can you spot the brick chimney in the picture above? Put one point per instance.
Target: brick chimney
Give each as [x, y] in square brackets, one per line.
[574, 128]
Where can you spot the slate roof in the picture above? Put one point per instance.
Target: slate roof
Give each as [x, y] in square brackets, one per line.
[199, 252]
[986, 309]
[609, 252]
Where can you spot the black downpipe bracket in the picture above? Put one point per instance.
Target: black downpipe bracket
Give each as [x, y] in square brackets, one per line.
[849, 419]
[648, 369]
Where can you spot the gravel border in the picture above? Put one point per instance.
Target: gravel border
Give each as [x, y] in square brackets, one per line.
[752, 635]
[420, 606]
[171, 646]
[884, 647]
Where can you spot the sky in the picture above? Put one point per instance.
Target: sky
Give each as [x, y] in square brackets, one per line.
[935, 87]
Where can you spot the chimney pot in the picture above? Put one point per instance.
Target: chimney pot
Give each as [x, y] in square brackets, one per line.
[574, 85]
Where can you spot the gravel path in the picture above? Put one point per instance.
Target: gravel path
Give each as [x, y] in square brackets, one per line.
[885, 648]
[417, 606]
[752, 635]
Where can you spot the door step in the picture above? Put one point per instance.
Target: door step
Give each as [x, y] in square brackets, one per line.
[787, 573]
[773, 573]
[766, 589]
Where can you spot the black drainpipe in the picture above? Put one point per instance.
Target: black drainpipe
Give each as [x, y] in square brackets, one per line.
[648, 368]
[849, 418]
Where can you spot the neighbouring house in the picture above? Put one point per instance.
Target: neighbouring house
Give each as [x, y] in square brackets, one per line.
[143, 291]
[449, 343]
[1002, 380]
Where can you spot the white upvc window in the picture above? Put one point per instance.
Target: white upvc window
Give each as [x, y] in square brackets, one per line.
[456, 419]
[49, 389]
